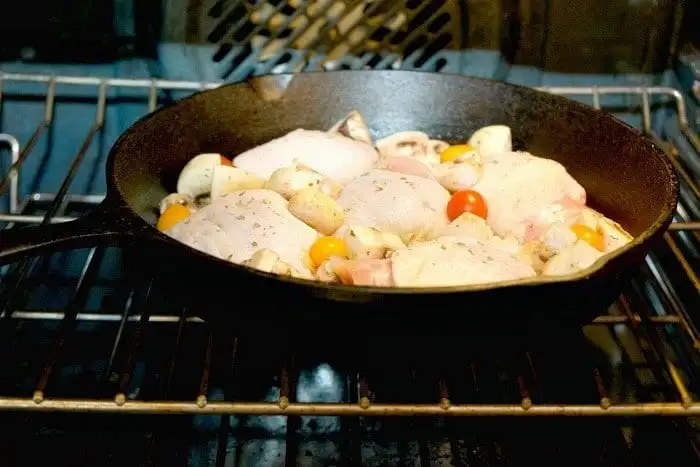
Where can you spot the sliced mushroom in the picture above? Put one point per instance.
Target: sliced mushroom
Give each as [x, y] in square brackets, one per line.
[527, 253]
[265, 260]
[176, 198]
[408, 143]
[195, 178]
[565, 212]
[331, 188]
[368, 242]
[288, 181]
[268, 261]
[354, 127]
[326, 272]
[589, 218]
[614, 235]
[456, 176]
[494, 139]
[317, 210]
[435, 148]
[530, 253]
[472, 157]
[573, 259]
[555, 239]
[508, 243]
[328, 185]
[226, 179]
[468, 225]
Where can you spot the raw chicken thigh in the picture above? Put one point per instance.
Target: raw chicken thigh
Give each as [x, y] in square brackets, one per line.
[406, 211]
[449, 261]
[520, 186]
[241, 223]
[443, 262]
[406, 205]
[331, 154]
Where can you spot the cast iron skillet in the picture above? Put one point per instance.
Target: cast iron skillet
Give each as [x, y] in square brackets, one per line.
[626, 177]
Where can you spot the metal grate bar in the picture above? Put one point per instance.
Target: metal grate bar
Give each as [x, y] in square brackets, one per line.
[206, 372]
[648, 325]
[641, 333]
[135, 346]
[56, 205]
[603, 320]
[11, 142]
[670, 409]
[19, 159]
[68, 322]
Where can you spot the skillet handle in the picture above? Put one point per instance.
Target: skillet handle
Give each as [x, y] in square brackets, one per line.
[103, 226]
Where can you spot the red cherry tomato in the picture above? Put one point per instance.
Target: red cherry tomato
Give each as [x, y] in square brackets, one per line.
[226, 161]
[466, 201]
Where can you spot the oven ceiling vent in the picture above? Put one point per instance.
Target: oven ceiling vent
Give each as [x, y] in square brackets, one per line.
[296, 35]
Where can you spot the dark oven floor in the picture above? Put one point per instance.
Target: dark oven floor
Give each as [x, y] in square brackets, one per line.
[168, 361]
[82, 440]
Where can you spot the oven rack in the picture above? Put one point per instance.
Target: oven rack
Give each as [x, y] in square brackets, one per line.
[656, 310]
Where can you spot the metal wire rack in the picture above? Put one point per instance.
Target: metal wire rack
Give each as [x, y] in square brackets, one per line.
[156, 361]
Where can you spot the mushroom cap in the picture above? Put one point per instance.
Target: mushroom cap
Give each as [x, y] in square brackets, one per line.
[353, 126]
[225, 179]
[287, 181]
[195, 177]
[493, 139]
[578, 256]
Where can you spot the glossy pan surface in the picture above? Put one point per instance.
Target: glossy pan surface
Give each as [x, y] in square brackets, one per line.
[625, 175]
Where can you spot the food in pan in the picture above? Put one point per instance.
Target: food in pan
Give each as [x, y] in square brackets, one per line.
[403, 211]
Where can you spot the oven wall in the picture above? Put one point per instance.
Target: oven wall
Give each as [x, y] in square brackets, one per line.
[592, 36]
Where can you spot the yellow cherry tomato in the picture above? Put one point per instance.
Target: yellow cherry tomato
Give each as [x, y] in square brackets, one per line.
[588, 235]
[325, 247]
[453, 152]
[171, 216]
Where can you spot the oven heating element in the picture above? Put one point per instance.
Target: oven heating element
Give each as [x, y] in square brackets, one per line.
[656, 310]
